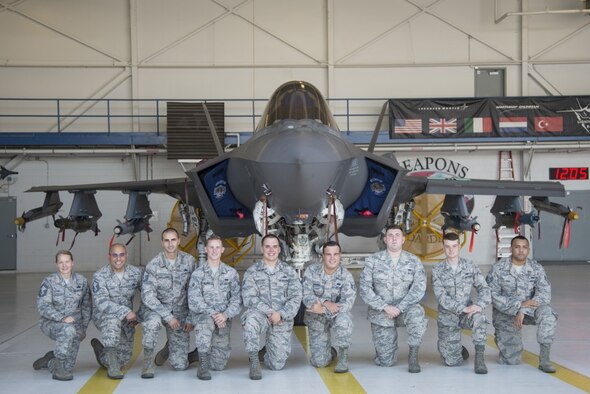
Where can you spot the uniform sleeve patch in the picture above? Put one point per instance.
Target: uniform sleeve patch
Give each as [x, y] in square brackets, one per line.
[95, 286]
[43, 290]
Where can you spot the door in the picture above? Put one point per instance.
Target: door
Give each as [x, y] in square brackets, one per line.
[489, 82]
[7, 233]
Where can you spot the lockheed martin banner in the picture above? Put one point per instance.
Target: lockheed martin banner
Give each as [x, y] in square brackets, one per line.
[541, 117]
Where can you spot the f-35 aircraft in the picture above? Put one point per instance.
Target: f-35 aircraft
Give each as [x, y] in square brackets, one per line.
[299, 177]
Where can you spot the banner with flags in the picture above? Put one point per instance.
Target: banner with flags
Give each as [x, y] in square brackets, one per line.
[540, 117]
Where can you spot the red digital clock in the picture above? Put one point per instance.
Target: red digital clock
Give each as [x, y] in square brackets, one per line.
[568, 173]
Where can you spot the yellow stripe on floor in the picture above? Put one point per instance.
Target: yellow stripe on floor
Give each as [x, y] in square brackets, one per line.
[565, 374]
[100, 383]
[335, 382]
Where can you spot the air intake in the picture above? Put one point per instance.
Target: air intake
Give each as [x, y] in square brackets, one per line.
[188, 133]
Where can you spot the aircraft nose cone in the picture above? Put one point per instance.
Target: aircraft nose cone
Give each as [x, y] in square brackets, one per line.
[298, 161]
[301, 144]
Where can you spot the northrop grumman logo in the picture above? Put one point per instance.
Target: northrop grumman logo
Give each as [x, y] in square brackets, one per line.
[220, 190]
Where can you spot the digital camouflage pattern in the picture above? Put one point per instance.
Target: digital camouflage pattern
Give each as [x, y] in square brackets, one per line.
[113, 301]
[508, 290]
[164, 297]
[403, 287]
[210, 293]
[265, 290]
[58, 299]
[339, 288]
[452, 289]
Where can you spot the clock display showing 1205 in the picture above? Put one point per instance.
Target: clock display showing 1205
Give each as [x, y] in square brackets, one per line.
[568, 173]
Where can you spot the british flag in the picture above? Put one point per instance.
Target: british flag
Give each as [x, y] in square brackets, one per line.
[442, 126]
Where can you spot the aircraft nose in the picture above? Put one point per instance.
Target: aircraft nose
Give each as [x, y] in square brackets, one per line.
[298, 161]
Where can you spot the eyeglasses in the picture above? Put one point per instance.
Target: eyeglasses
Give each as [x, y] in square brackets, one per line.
[121, 255]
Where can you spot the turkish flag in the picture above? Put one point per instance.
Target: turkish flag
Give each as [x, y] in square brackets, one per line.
[548, 123]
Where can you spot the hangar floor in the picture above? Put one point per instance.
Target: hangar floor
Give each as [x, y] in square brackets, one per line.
[21, 342]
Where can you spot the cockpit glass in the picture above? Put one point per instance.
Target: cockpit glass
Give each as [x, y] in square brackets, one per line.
[297, 100]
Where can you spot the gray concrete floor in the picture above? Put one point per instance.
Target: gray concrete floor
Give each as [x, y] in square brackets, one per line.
[21, 342]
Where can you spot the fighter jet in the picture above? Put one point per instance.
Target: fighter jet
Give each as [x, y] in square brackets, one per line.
[298, 177]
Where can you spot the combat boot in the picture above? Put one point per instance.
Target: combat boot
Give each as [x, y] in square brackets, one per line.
[261, 354]
[148, 364]
[43, 362]
[98, 349]
[342, 365]
[203, 370]
[58, 370]
[464, 353]
[544, 363]
[413, 366]
[333, 353]
[162, 355]
[255, 370]
[193, 356]
[480, 364]
[112, 361]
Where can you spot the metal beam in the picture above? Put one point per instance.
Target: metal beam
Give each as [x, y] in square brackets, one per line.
[81, 139]
[15, 10]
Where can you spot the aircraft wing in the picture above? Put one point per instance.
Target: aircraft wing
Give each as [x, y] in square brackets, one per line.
[179, 188]
[507, 207]
[370, 214]
[493, 187]
[84, 212]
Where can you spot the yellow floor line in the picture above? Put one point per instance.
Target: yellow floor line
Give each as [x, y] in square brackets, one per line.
[565, 374]
[100, 383]
[335, 382]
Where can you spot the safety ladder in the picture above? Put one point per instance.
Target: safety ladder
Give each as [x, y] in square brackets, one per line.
[504, 234]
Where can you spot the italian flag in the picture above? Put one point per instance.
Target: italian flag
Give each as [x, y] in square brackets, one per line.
[478, 125]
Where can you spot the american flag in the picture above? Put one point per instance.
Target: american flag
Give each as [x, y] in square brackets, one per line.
[408, 126]
[442, 125]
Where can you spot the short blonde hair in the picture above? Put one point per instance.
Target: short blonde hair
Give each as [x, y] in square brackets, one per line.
[64, 252]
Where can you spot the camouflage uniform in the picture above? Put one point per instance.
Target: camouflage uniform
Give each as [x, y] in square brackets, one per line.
[57, 300]
[339, 288]
[164, 297]
[509, 289]
[112, 300]
[265, 290]
[210, 293]
[403, 287]
[452, 289]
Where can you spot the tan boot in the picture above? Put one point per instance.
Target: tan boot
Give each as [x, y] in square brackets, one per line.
[162, 355]
[255, 370]
[544, 363]
[148, 364]
[43, 362]
[413, 366]
[479, 363]
[98, 349]
[203, 370]
[113, 366]
[58, 370]
[342, 365]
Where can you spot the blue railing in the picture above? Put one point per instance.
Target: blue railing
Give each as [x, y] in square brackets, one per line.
[59, 121]
[34, 122]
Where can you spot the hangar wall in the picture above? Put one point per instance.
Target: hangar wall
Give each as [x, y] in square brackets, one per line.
[232, 48]
[245, 49]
